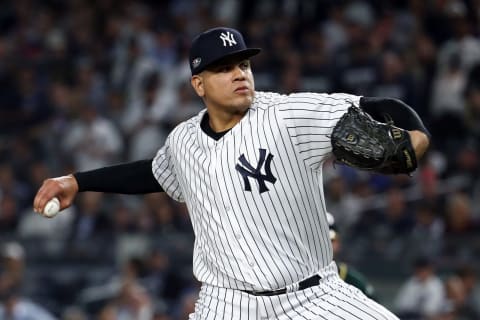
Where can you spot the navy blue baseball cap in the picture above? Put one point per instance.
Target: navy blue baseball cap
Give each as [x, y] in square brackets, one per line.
[216, 44]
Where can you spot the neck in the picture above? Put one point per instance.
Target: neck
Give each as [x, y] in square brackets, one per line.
[222, 121]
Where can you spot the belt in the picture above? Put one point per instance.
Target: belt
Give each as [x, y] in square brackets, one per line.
[302, 285]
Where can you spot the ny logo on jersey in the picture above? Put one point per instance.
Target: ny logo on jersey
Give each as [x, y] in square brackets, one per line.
[228, 37]
[248, 171]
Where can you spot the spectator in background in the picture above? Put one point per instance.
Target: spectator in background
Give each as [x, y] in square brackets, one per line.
[58, 61]
[290, 79]
[422, 295]
[9, 112]
[89, 84]
[423, 64]
[429, 180]
[333, 29]
[12, 263]
[447, 105]
[162, 278]
[91, 222]
[460, 293]
[447, 93]
[107, 313]
[456, 57]
[11, 185]
[187, 106]
[157, 272]
[465, 140]
[9, 214]
[122, 217]
[455, 298]
[460, 225]
[165, 48]
[144, 118]
[345, 206]
[32, 100]
[13, 305]
[462, 41]
[317, 71]
[356, 68]
[346, 272]
[426, 237]
[74, 313]
[161, 312]
[115, 109]
[132, 302]
[122, 296]
[459, 215]
[468, 276]
[395, 79]
[165, 218]
[465, 164]
[387, 228]
[186, 304]
[24, 151]
[472, 103]
[61, 101]
[92, 140]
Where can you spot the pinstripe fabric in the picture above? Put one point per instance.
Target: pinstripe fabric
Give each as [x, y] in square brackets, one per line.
[255, 197]
[331, 299]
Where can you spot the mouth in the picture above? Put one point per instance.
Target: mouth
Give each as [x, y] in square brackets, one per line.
[243, 89]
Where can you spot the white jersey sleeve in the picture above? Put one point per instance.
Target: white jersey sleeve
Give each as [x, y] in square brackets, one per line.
[164, 171]
[310, 119]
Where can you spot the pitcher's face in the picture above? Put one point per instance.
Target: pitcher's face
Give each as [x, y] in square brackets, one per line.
[226, 86]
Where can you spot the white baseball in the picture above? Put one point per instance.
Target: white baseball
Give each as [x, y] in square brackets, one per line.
[51, 208]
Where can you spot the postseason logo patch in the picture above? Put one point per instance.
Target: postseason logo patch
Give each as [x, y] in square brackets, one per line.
[196, 62]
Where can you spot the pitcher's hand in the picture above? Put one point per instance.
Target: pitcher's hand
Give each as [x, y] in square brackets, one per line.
[65, 188]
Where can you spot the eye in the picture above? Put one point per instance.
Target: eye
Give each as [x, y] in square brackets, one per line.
[245, 64]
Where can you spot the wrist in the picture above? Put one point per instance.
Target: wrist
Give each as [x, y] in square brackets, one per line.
[420, 142]
[73, 183]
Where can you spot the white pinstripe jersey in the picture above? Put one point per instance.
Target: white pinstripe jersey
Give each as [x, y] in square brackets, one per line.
[265, 228]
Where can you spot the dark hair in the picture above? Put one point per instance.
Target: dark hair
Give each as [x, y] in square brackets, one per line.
[150, 81]
[422, 262]
[465, 271]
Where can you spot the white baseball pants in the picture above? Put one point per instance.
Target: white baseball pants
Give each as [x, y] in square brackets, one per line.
[331, 299]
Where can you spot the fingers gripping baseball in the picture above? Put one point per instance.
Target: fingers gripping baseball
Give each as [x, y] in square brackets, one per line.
[63, 188]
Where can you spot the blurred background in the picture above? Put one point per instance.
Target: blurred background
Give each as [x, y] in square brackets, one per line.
[85, 84]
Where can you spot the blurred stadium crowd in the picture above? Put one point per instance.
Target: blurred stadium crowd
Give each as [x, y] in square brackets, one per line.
[85, 84]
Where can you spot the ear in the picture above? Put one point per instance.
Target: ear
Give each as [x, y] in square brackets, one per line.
[197, 84]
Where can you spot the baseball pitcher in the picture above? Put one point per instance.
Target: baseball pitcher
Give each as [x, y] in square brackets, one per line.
[249, 168]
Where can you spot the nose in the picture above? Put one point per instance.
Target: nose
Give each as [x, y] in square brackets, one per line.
[239, 73]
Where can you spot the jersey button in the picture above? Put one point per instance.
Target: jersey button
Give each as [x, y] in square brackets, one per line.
[238, 236]
[251, 264]
[228, 209]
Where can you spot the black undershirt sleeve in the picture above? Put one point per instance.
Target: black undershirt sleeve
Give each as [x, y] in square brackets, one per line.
[403, 116]
[126, 178]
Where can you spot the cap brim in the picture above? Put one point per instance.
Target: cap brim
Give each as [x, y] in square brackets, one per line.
[240, 54]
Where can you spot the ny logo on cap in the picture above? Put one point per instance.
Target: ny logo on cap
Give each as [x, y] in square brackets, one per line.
[196, 62]
[228, 37]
